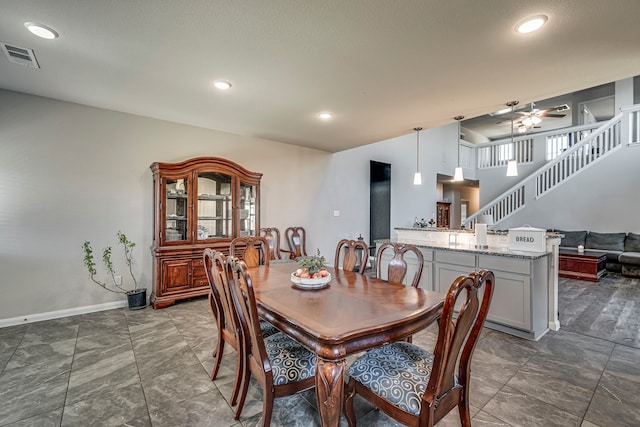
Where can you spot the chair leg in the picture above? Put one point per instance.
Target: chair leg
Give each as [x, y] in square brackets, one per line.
[239, 378]
[463, 408]
[347, 409]
[267, 406]
[246, 377]
[217, 354]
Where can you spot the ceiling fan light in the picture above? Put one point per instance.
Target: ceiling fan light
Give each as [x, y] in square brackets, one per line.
[531, 24]
[536, 120]
[527, 121]
[457, 175]
[512, 168]
[522, 128]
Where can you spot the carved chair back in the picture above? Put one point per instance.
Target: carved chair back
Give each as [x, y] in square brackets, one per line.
[272, 236]
[397, 268]
[296, 241]
[252, 250]
[354, 253]
[457, 339]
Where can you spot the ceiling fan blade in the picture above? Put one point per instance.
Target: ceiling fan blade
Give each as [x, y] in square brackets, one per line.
[551, 115]
[557, 108]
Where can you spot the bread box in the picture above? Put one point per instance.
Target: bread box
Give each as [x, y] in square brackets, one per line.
[527, 239]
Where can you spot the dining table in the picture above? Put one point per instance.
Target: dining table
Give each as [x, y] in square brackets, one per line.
[353, 313]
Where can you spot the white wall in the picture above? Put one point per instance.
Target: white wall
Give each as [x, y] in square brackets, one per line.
[70, 173]
[346, 186]
[603, 198]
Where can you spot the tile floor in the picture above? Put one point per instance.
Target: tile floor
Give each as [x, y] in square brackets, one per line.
[151, 368]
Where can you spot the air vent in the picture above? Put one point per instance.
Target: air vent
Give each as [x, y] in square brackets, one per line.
[20, 55]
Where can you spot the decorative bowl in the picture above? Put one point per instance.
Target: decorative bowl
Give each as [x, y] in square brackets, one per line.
[310, 283]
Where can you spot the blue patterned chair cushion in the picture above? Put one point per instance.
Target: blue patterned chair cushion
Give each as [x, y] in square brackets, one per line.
[267, 328]
[290, 361]
[398, 372]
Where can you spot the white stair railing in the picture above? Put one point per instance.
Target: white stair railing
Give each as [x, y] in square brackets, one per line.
[575, 159]
[502, 206]
[597, 144]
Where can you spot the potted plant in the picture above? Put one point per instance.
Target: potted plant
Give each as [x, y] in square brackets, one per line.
[312, 266]
[136, 297]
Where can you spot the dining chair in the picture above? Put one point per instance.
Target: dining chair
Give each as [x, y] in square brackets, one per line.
[397, 269]
[272, 236]
[281, 365]
[296, 238]
[227, 325]
[416, 387]
[354, 253]
[253, 250]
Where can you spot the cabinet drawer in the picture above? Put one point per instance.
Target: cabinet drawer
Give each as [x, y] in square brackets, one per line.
[197, 269]
[201, 282]
[450, 257]
[493, 263]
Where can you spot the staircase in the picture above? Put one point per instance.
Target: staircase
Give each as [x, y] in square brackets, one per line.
[581, 147]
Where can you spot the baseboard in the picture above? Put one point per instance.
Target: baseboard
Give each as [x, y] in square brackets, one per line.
[38, 317]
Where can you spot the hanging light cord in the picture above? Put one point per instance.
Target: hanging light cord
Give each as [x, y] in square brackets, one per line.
[459, 119]
[417, 148]
[512, 104]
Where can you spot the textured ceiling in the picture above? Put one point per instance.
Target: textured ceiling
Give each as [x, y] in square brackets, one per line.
[381, 67]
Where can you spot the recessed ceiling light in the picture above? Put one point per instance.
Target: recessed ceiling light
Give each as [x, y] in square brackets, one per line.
[531, 24]
[325, 116]
[41, 30]
[222, 85]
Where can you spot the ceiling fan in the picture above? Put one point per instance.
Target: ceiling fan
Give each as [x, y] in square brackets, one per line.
[531, 119]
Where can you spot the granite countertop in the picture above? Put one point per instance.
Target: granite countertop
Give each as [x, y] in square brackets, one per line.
[548, 235]
[471, 249]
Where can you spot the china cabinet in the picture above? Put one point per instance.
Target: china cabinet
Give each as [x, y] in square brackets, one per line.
[199, 203]
[443, 214]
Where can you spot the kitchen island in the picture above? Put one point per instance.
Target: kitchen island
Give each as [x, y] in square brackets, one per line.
[526, 290]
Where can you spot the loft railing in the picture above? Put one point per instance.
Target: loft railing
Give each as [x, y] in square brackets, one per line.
[557, 142]
[599, 143]
[634, 124]
[498, 154]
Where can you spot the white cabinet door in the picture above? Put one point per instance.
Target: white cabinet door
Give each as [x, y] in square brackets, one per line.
[511, 301]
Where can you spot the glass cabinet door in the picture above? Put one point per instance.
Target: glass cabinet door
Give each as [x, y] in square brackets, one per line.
[248, 210]
[214, 209]
[176, 209]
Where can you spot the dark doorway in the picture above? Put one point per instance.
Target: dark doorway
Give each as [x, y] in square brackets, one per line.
[379, 203]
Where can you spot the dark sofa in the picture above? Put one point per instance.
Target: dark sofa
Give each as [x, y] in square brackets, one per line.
[622, 249]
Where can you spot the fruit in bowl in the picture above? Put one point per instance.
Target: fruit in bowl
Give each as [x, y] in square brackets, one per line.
[304, 273]
[311, 273]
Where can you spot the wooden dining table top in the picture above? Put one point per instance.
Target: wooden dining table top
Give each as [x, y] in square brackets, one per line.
[354, 313]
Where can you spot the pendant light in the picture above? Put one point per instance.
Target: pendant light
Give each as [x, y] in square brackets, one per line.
[457, 174]
[512, 165]
[417, 178]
